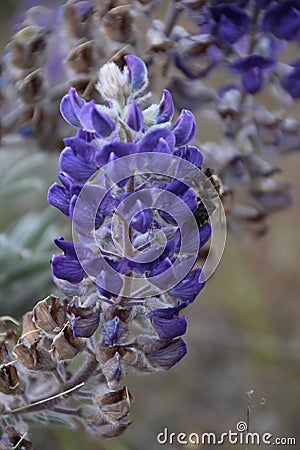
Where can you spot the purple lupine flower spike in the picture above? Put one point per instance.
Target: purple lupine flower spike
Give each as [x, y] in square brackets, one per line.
[135, 225]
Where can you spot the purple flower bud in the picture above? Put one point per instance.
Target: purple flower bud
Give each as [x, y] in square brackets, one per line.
[70, 107]
[184, 128]
[166, 108]
[232, 21]
[251, 68]
[137, 71]
[135, 116]
[283, 20]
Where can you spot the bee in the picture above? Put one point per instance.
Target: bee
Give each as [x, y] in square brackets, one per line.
[210, 189]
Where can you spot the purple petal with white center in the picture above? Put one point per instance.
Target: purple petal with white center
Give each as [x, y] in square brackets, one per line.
[169, 354]
[166, 108]
[135, 116]
[138, 75]
[184, 128]
[70, 107]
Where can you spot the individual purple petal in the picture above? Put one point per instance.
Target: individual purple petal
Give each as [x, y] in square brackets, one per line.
[205, 233]
[95, 121]
[291, 81]
[108, 279]
[119, 149]
[142, 220]
[114, 331]
[251, 69]
[283, 20]
[191, 154]
[168, 329]
[85, 326]
[135, 116]
[232, 21]
[168, 355]
[189, 287]
[67, 269]
[110, 331]
[137, 265]
[67, 247]
[177, 187]
[190, 199]
[85, 150]
[166, 108]
[163, 146]
[151, 141]
[253, 80]
[102, 123]
[59, 197]
[70, 107]
[184, 128]
[76, 168]
[137, 71]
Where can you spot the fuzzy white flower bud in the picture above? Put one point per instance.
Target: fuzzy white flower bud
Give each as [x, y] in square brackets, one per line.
[111, 81]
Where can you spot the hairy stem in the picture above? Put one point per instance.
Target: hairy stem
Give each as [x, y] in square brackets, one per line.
[76, 382]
